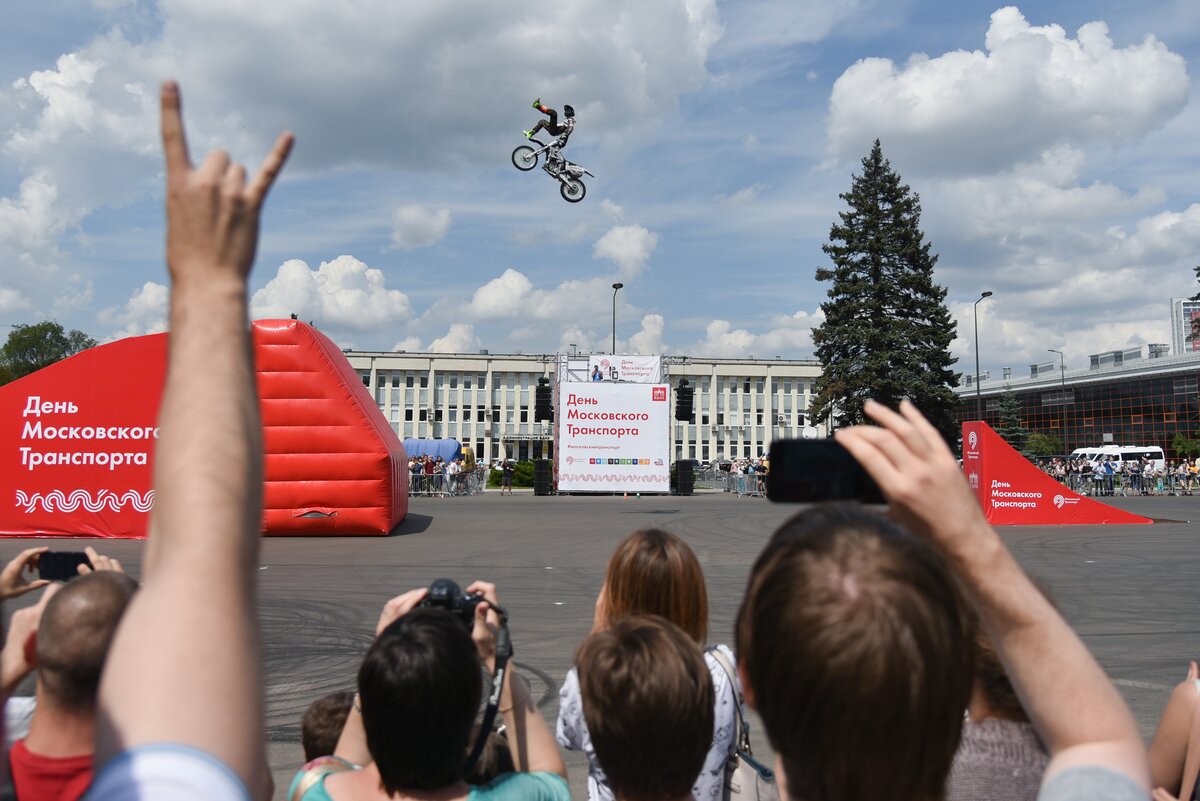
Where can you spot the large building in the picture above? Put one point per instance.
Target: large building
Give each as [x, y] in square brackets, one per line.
[1138, 396]
[486, 401]
[1185, 312]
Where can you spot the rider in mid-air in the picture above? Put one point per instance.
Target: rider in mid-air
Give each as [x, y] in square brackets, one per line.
[563, 132]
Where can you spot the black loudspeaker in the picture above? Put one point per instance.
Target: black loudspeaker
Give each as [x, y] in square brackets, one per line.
[543, 402]
[685, 479]
[683, 401]
[542, 477]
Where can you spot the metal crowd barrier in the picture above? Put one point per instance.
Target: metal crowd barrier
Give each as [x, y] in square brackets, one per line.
[442, 485]
[752, 485]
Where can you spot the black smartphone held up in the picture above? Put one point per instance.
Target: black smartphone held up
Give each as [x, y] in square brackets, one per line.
[813, 470]
[61, 565]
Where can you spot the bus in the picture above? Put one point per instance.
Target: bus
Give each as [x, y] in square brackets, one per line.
[1123, 453]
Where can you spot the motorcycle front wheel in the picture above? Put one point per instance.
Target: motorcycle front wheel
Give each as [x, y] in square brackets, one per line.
[572, 190]
[524, 158]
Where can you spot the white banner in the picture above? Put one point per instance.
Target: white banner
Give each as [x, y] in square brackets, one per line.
[613, 437]
[642, 369]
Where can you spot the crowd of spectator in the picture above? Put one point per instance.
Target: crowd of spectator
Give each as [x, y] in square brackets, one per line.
[1111, 476]
[863, 641]
[441, 477]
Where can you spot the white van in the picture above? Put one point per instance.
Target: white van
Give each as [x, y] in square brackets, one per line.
[1125, 453]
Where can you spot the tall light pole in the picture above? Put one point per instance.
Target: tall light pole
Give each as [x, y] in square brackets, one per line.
[1062, 372]
[615, 288]
[978, 397]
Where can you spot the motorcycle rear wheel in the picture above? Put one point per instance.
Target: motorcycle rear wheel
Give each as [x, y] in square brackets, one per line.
[572, 190]
[524, 158]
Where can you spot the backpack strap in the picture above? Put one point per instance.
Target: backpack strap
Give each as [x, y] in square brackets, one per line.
[741, 736]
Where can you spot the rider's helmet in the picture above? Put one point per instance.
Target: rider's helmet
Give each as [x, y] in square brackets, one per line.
[568, 111]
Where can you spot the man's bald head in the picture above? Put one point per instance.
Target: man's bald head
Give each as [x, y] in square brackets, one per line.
[75, 632]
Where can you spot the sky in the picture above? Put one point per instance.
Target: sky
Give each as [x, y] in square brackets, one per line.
[1052, 146]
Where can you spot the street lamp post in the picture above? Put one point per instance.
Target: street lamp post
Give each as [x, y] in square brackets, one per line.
[1062, 397]
[614, 344]
[978, 397]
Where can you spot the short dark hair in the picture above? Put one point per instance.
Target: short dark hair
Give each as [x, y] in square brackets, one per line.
[858, 651]
[75, 632]
[648, 705]
[322, 724]
[494, 760]
[420, 687]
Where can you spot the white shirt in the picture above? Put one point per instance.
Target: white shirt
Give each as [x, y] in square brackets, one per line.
[572, 733]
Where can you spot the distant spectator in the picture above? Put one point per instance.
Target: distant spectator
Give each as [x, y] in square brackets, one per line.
[507, 468]
[322, 724]
[648, 702]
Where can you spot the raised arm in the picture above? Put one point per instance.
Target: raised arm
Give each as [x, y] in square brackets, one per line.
[1076, 710]
[185, 666]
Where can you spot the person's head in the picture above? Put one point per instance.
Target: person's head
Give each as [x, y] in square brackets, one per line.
[322, 724]
[420, 687]
[494, 760]
[74, 635]
[654, 572]
[648, 704]
[568, 111]
[992, 682]
[855, 645]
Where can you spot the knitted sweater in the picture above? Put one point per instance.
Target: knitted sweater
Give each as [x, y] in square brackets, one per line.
[997, 760]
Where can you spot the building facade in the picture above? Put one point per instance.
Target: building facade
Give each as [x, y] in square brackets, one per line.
[1184, 314]
[487, 401]
[1130, 397]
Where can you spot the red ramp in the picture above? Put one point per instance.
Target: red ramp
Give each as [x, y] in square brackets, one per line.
[1014, 492]
[77, 441]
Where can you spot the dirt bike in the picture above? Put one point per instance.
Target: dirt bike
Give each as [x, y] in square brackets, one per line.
[569, 174]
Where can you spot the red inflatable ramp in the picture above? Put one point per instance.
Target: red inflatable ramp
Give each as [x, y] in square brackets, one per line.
[77, 441]
[1014, 492]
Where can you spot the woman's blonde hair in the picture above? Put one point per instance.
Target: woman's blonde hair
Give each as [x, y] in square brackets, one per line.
[654, 572]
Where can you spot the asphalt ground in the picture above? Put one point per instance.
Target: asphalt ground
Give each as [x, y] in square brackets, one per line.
[1128, 590]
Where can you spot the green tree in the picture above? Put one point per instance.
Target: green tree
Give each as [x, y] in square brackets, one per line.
[1008, 424]
[1184, 447]
[1040, 444]
[887, 331]
[31, 347]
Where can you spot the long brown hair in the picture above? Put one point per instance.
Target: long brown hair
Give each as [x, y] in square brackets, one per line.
[654, 572]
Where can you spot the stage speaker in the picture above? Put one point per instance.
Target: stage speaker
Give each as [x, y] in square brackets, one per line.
[542, 477]
[543, 402]
[685, 478]
[683, 401]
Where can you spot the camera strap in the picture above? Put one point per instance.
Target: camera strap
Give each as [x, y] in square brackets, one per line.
[504, 652]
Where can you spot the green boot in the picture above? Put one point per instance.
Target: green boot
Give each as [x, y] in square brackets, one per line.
[528, 134]
[537, 103]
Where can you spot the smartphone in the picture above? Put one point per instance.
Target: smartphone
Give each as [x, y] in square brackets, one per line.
[813, 470]
[61, 565]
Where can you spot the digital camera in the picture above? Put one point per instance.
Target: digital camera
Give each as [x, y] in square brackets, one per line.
[445, 594]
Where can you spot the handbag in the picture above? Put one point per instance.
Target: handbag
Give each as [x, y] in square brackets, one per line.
[746, 779]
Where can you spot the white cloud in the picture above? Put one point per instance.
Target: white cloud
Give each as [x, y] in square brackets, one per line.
[627, 246]
[460, 338]
[612, 210]
[407, 345]
[144, 313]
[788, 335]
[340, 294]
[649, 340]
[415, 226]
[1032, 88]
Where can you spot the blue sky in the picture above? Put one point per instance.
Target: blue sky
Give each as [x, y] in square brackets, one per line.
[1052, 146]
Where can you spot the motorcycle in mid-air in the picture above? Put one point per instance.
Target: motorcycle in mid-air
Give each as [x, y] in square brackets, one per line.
[569, 174]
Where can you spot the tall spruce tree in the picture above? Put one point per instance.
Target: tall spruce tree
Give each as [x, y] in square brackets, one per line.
[887, 331]
[1008, 425]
